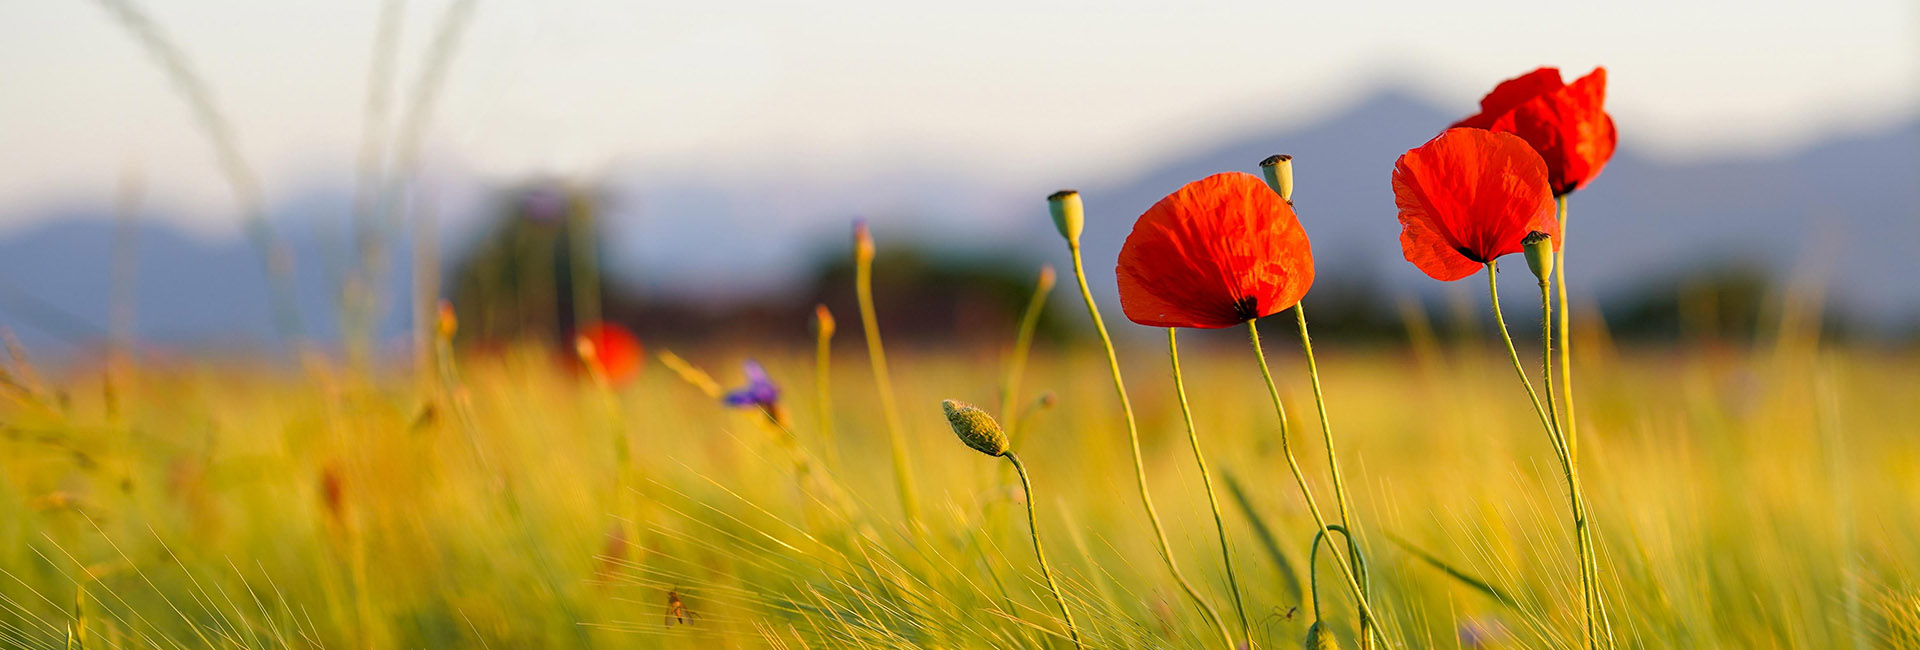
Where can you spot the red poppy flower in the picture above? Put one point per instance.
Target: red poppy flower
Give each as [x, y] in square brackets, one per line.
[614, 351]
[1564, 122]
[1467, 197]
[1221, 251]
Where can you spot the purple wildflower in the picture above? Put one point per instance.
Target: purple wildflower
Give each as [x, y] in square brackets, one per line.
[760, 392]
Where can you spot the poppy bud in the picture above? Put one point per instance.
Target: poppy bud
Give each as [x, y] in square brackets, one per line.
[822, 322]
[583, 348]
[1046, 278]
[862, 240]
[1321, 638]
[1279, 172]
[1068, 214]
[1539, 250]
[975, 428]
[446, 320]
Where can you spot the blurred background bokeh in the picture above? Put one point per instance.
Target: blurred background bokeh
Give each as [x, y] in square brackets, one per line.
[160, 158]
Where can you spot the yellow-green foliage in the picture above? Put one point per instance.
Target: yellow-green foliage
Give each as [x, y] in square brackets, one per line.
[1743, 500]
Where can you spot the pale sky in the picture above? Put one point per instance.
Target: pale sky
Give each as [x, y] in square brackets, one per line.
[999, 90]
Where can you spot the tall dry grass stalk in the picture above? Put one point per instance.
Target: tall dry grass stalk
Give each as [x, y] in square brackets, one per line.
[863, 252]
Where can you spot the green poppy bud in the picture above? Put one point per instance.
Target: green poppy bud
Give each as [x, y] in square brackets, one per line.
[1279, 172]
[975, 428]
[822, 322]
[1068, 214]
[1539, 249]
[1321, 638]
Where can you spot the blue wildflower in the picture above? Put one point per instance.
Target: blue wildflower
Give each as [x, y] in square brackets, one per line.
[760, 392]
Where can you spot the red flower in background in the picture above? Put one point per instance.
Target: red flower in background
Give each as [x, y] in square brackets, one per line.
[611, 350]
[1564, 122]
[1467, 197]
[1221, 251]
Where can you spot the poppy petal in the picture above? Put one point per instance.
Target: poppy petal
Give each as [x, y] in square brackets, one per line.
[1570, 129]
[1467, 197]
[1216, 253]
[1512, 93]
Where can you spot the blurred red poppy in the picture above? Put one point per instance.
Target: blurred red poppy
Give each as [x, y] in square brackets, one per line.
[612, 350]
[1223, 250]
[1467, 197]
[1564, 122]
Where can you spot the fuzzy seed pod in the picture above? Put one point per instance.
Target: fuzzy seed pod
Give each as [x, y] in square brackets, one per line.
[1539, 250]
[975, 428]
[1319, 637]
[1279, 172]
[1069, 215]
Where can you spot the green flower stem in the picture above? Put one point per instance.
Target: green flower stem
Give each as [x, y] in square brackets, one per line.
[902, 469]
[1023, 342]
[1566, 334]
[1206, 479]
[1313, 507]
[1588, 571]
[823, 397]
[1133, 439]
[1349, 529]
[1026, 488]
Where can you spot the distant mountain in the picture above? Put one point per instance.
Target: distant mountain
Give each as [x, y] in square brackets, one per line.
[1846, 209]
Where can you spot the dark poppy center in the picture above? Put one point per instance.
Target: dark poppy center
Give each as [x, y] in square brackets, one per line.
[1470, 254]
[1246, 308]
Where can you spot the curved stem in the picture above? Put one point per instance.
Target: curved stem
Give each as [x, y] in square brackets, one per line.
[1286, 449]
[1588, 573]
[902, 470]
[1349, 529]
[1566, 335]
[1313, 564]
[1206, 479]
[1026, 488]
[1133, 440]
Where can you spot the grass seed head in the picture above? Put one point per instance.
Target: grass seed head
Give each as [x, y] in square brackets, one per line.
[822, 322]
[1069, 215]
[862, 241]
[975, 428]
[447, 322]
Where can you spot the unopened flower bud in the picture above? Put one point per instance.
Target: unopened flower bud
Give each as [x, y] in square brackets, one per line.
[822, 322]
[1321, 638]
[975, 428]
[1046, 278]
[446, 321]
[862, 240]
[1539, 250]
[1069, 216]
[1279, 172]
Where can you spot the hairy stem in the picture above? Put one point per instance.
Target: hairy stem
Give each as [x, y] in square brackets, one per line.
[1313, 506]
[1026, 488]
[1206, 479]
[1133, 440]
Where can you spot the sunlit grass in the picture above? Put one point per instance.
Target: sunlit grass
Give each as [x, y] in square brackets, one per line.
[1752, 498]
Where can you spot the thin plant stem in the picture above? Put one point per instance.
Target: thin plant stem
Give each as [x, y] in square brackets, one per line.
[1040, 552]
[823, 387]
[1206, 479]
[1566, 334]
[1546, 352]
[1313, 506]
[1133, 440]
[1349, 529]
[1588, 572]
[902, 470]
[1022, 344]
